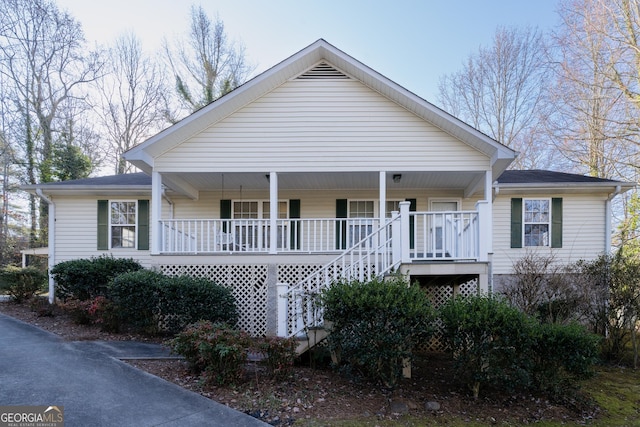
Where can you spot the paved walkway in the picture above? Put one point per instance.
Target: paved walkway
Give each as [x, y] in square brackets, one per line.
[94, 387]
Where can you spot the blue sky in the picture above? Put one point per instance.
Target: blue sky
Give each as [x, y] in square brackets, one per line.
[412, 42]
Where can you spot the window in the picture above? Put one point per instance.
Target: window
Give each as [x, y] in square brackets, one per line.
[254, 235]
[537, 222]
[122, 223]
[360, 225]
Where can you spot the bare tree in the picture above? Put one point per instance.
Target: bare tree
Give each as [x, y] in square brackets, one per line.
[500, 89]
[207, 64]
[587, 125]
[43, 59]
[132, 98]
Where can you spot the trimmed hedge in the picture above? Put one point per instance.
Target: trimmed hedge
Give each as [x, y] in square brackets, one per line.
[184, 300]
[152, 302]
[86, 279]
[135, 297]
[22, 283]
[495, 344]
[377, 324]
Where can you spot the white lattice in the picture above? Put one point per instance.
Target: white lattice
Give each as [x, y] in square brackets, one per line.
[438, 296]
[248, 283]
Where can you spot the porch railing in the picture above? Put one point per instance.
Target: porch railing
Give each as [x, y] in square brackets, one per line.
[433, 235]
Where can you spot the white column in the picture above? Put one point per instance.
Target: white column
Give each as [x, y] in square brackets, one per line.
[405, 231]
[283, 308]
[383, 196]
[273, 212]
[485, 212]
[156, 212]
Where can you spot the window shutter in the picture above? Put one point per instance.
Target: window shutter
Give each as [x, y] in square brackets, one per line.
[294, 213]
[225, 213]
[143, 225]
[341, 226]
[516, 223]
[412, 223]
[556, 223]
[103, 224]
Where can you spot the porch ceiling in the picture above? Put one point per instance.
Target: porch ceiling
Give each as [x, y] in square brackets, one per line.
[327, 181]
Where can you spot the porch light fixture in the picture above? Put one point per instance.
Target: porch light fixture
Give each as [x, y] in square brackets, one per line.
[397, 178]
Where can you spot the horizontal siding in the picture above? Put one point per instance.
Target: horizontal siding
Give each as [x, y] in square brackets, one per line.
[313, 204]
[76, 231]
[583, 232]
[355, 127]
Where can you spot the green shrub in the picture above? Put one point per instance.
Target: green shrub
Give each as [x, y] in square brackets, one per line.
[490, 341]
[85, 279]
[214, 349]
[22, 283]
[280, 354]
[136, 296]
[563, 354]
[184, 300]
[376, 325]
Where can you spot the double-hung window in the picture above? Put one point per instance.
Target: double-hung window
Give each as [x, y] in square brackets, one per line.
[537, 222]
[361, 214]
[123, 224]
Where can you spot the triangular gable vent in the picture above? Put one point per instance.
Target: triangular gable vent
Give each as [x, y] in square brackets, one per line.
[323, 71]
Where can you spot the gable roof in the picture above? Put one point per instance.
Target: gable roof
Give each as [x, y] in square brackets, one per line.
[325, 58]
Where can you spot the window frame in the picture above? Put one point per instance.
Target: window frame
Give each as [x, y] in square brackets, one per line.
[135, 225]
[548, 223]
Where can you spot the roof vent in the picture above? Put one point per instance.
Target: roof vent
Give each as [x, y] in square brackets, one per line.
[323, 71]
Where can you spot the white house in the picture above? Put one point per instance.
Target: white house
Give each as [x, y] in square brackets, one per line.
[322, 168]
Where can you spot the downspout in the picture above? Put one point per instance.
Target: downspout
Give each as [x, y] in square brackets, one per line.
[52, 242]
[607, 220]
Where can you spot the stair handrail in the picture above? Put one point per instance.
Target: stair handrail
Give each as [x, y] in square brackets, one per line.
[311, 286]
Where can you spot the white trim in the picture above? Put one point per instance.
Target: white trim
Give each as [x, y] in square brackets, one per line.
[549, 222]
[135, 225]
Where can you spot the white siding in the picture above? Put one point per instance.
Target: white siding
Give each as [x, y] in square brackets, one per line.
[325, 125]
[583, 231]
[77, 230]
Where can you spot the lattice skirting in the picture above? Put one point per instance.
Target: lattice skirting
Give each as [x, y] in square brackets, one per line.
[250, 286]
[248, 283]
[440, 295]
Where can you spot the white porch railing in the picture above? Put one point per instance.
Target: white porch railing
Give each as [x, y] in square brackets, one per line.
[315, 235]
[444, 235]
[432, 235]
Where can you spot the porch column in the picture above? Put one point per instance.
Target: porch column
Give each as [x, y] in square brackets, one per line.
[273, 212]
[405, 231]
[156, 212]
[383, 197]
[485, 211]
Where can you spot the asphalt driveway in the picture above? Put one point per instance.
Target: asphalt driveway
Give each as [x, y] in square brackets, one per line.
[94, 387]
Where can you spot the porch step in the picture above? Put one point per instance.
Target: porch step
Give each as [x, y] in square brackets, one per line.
[310, 339]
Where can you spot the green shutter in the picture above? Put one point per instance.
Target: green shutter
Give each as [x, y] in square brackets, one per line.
[225, 213]
[341, 226]
[412, 223]
[103, 224]
[143, 225]
[294, 213]
[516, 223]
[556, 223]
